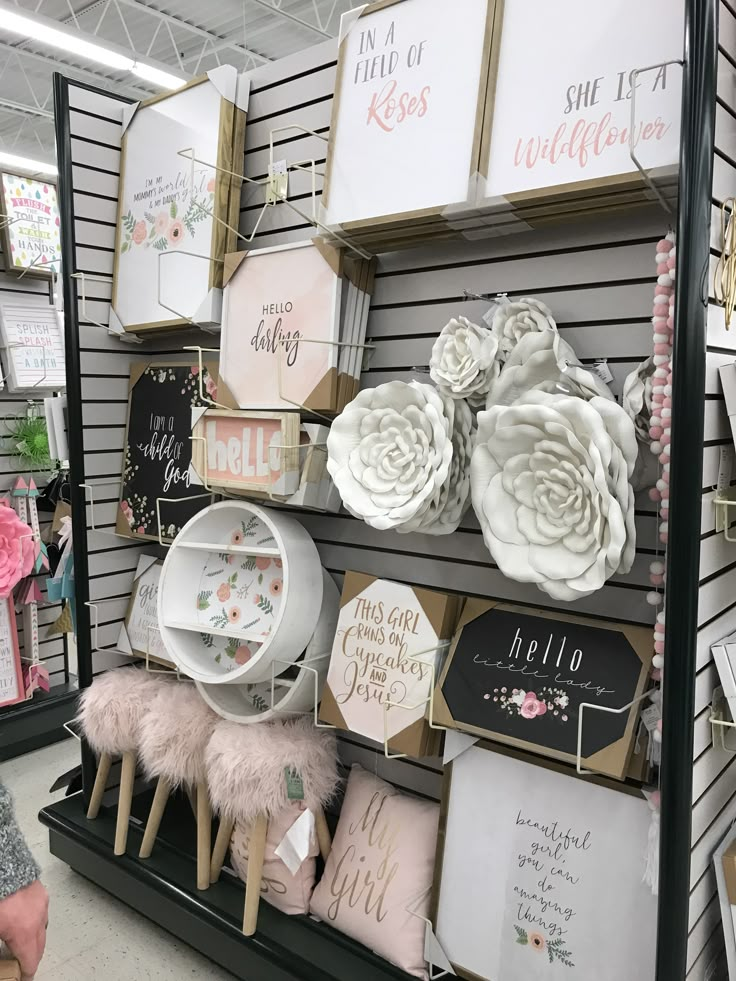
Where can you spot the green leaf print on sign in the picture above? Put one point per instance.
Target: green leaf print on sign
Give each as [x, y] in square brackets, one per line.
[220, 620]
[535, 941]
[203, 599]
[264, 603]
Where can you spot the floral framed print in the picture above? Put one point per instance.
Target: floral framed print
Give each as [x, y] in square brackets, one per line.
[175, 208]
[157, 497]
[539, 874]
[31, 230]
[519, 676]
[396, 102]
[11, 674]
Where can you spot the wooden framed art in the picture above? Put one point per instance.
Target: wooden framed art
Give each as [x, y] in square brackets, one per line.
[246, 450]
[405, 136]
[559, 127]
[519, 675]
[373, 686]
[31, 231]
[11, 672]
[173, 214]
[542, 876]
[156, 480]
[281, 326]
[33, 344]
[139, 635]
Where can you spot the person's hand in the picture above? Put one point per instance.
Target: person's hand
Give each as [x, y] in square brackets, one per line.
[23, 919]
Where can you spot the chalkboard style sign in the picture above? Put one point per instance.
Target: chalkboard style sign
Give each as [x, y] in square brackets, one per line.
[519, 676]
[158, 448]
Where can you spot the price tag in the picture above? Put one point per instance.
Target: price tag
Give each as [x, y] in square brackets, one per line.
[278, 182]
[294, 784]
[650, 717]
[725, 468]
[600, 368]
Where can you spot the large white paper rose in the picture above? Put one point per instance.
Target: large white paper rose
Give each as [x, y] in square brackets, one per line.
[516, 319]
[442, 514]
[544, 362]
[389, 452]
[464, 361]
[550, 486]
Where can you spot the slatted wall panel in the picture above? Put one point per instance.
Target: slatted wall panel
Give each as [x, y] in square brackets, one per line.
[11, 405]
[714, 772]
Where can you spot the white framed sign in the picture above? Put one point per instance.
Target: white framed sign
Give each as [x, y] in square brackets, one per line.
[139, 635]
[562, 109]
[541, 875]
[33, 344]
[408, 111]
[170, 245]
[11, 674]
[31, 228]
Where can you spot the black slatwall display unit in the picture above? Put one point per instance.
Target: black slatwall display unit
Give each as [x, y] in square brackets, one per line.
[598, 277]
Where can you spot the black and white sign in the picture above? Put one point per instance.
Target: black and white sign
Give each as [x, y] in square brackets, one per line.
[521, 676]
[158, 449]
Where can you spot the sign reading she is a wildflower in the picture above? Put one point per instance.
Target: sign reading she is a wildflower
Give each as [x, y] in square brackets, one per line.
[522, 676]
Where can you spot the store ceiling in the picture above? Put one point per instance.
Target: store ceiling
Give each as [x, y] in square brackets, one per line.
[186, 37]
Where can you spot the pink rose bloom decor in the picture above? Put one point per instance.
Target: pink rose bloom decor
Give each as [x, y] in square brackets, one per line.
[17, 551]
[532, 707]
[140, 232]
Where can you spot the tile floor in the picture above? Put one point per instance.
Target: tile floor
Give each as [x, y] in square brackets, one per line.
[91, 935]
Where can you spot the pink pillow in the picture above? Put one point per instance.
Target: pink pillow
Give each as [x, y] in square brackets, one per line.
[287, 892]
[380, 867]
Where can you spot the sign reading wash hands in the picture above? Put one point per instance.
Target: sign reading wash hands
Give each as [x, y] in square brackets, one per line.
[520, 676]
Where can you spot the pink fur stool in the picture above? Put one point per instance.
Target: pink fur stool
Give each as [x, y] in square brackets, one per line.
[110, 713]
[247, 767]
[174, 734]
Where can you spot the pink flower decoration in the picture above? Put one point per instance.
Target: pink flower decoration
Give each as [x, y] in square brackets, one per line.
[262, 562]
[223, 592]
[17, 551]
[243, 654]
[140, 232]
[236, 538]
[175, 233]
[532, 707]
[161, 223]
[211, 387]
[141, 530]
[276, 587]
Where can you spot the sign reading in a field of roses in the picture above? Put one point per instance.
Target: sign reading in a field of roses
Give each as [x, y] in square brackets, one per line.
[558, 121]
[520, 675]
[388, 644]
[30, 226]
[409, 102]
[171, 235]
[541, 876]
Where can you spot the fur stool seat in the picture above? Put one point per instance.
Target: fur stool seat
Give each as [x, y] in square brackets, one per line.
[247, 771]
[174, 734]
[110, 714]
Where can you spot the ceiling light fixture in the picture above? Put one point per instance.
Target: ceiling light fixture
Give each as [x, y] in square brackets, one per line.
[11, 160]
[71, 42]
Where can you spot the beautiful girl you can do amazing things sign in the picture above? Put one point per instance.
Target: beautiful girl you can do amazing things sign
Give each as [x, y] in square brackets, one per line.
[590, 129]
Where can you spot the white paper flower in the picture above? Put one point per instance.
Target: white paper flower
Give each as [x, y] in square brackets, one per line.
[544, 362]
[389, 452]
[637, 398]
[464, 361]
[550, 486]
[442, 514]
[515, 320]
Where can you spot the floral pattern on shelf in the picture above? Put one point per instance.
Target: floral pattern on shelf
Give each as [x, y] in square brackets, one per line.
[555, 949]
[240, 593]
[229, 652]
[166, 229]
[552, 702]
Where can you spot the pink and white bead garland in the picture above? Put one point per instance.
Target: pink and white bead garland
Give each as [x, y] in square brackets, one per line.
[663, 321]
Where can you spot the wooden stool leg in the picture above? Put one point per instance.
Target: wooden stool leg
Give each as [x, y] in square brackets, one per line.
[224, 834]
[127, 779]
[98, 791]
[256, 853]
[155, 816]
[323, 833]
[204, 837]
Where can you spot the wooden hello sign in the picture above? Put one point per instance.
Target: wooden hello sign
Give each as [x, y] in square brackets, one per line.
[520, 676]
[246, 451]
